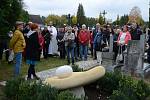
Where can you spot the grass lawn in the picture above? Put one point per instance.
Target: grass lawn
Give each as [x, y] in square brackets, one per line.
[6, 70]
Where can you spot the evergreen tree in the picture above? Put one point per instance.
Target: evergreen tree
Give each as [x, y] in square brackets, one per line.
[81, 19]
[117, 21]
[90, 21]
[124, 20]
[101, 19]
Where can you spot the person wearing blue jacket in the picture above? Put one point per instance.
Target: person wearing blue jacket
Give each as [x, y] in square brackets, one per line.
[98, 46]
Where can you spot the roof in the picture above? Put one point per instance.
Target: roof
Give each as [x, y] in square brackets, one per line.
[35, 19]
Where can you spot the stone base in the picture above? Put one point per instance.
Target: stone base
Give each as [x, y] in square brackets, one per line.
[78, 92]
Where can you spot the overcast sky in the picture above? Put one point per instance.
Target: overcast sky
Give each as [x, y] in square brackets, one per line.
[92, 8]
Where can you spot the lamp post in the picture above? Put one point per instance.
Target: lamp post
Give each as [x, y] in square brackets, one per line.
[69, 19]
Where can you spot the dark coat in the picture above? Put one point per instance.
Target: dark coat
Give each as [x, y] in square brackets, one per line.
[98, 42]
[33, 47]
[47, 36]
[135, 34]
[61, 45]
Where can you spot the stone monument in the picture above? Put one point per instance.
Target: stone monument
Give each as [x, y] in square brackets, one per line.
[134, 57]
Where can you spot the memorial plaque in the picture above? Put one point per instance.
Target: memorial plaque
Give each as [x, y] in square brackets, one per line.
[134, 58]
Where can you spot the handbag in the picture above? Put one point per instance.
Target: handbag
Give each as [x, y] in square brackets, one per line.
[11, 56]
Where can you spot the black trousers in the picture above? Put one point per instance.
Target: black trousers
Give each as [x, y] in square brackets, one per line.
[45, 50]
[4, 46]
[62, 53]
[31, 71]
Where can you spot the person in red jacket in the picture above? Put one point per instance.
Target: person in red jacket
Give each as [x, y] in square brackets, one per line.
[84, 37]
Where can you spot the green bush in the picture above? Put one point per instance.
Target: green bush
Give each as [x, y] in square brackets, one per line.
[12, 88]
[109, 82]
[118, 95]
[76, 68]
[19, 89]
[123, 87]
[66, 95]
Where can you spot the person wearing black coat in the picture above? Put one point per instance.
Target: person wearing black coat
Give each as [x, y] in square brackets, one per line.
[32, 48]
[47, 37]
[61, 43]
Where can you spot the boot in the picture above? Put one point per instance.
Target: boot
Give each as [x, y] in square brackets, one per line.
[33, 73]
[29, 73]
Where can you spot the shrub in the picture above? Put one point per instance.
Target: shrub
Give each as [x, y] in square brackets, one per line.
[19, 89]
[122, 87]
[76, 68]
[118, 95]
[109, 82]
[66, 95]
[12, 88]
[142, 90]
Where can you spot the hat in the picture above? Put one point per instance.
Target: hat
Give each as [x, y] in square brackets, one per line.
[19, 23]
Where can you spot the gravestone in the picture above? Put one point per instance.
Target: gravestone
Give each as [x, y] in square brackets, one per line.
[110, 54]
[134, 57]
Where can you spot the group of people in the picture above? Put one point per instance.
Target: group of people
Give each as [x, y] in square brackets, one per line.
[71, 42]
[77, 41]
[28, 42]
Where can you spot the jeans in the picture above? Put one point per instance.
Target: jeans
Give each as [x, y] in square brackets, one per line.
[83, 51]
[70, 50]
[18, 61]
[75, 51]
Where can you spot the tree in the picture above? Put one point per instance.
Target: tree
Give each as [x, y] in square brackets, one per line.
[135, 16]
[58, 21]
[101, 19]
[43, 18]
[63, 20]
[81, 19]
[117, 21]
[123, 20]
[10, 12]
[74, 20]
[90, 21]
[24, 16]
